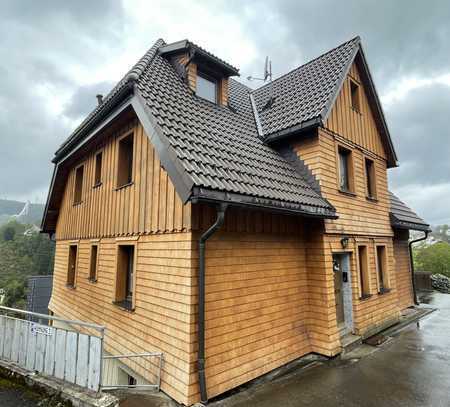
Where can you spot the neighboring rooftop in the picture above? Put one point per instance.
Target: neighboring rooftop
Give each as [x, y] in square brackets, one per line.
[403, 217]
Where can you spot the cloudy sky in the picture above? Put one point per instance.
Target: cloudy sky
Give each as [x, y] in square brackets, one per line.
[57, 55]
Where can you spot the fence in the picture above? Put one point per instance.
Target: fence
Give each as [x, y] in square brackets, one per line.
[67, 355]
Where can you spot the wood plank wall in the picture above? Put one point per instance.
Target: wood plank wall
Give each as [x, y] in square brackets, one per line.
[149, 205]
[358, 127]
[162, 320]
[403, 269]
[256, 296]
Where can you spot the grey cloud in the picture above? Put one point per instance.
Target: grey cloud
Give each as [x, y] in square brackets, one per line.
[42, 42]
[83, 99]
[419, 124]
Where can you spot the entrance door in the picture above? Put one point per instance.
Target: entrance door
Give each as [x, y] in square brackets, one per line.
[343, 292]
[338, 294]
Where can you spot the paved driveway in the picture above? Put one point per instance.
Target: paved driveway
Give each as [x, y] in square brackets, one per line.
[411, 370]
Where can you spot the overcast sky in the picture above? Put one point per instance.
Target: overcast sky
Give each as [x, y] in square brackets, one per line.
[57, 55]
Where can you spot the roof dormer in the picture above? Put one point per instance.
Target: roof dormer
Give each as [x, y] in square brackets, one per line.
[206, 74]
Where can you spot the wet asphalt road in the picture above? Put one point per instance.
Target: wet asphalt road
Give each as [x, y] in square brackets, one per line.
[411, 370]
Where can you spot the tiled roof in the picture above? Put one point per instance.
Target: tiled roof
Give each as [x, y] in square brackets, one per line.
[306, 92]
[403, 217]
[218, 147]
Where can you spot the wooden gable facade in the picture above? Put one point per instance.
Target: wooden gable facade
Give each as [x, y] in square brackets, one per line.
[270, 278]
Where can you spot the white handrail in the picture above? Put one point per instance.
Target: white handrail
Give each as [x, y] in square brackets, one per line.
[100, 328]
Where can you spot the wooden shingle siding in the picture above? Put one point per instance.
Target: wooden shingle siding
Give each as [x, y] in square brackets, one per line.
[256, 296]
[149, 205]
[403, 270]
[358, 127]
[162, 320]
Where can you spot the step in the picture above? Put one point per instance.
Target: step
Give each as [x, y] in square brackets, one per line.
[350, 342]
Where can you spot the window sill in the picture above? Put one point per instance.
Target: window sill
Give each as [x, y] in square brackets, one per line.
[348, 193]
[384, 291]
[365, 297]
[371, 199]
[125, 305]
[70, 286]
[124, 186]
[92, 280]
[97, 185]
[77, 203]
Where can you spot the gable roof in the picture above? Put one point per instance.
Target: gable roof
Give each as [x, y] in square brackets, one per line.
[211, 153]
[305, 96]
[402, 217]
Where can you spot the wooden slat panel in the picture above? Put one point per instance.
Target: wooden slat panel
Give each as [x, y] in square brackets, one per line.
[82, 360]
[149, 205]
[71, 356]
[41, 342]
[31, 350]
[60, 353]
[95, 356]
[23, 343]
[50, 349]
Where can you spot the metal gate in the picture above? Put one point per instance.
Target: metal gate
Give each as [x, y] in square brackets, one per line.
[67, 355]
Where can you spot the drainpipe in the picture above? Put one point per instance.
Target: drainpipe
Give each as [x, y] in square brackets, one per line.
[201, 299]
[411, 260]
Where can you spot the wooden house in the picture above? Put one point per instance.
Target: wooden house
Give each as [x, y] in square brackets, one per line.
[232, 229]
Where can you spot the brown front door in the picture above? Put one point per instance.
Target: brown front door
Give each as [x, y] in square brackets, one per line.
[338, 293]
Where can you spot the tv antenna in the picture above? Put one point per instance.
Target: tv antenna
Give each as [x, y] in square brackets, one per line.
[267, 76]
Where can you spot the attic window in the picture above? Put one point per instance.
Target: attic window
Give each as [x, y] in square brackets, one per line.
[125, 161]
[354, 93]
[206, 87]
[78, 191]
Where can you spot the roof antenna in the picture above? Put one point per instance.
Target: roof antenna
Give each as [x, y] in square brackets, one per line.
[266, 77]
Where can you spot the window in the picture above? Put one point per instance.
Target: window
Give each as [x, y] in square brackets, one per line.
[78, 192]
[363, 272]
[93, 265]
[383, 285]
[207, 88]
[345, 170]
[125, 161]
[370, 178]
[354, 93]
[125, 276]
[98, 169]
[72, 266]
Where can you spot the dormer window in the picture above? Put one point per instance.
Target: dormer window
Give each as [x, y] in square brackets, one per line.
[206, 87]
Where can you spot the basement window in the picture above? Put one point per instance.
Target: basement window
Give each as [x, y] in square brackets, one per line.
[345, 170]
[98, 169]
[206, 87]
[383, 285]
[354, 94]
[72, 266]
[363, 270]
[93, 265]
[125, 161]
[125, 276]
[78, 191]
[370, 178]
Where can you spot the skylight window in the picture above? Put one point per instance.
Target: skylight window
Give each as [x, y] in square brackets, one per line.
[206, 88]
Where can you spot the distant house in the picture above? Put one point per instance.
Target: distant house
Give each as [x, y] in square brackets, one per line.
[234, 230]
[39, 291]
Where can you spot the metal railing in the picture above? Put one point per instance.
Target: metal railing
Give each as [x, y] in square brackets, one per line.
[146, 365]
[70, 355]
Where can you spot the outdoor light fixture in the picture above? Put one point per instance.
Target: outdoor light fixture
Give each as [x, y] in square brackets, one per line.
[344, 242]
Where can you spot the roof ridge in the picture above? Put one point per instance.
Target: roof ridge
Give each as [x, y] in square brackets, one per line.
[131, 76]
[357, 40]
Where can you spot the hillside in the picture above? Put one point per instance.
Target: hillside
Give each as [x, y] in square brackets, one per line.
[22, 212]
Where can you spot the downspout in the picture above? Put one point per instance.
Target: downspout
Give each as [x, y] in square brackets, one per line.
[201, 299]
[411, 260]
